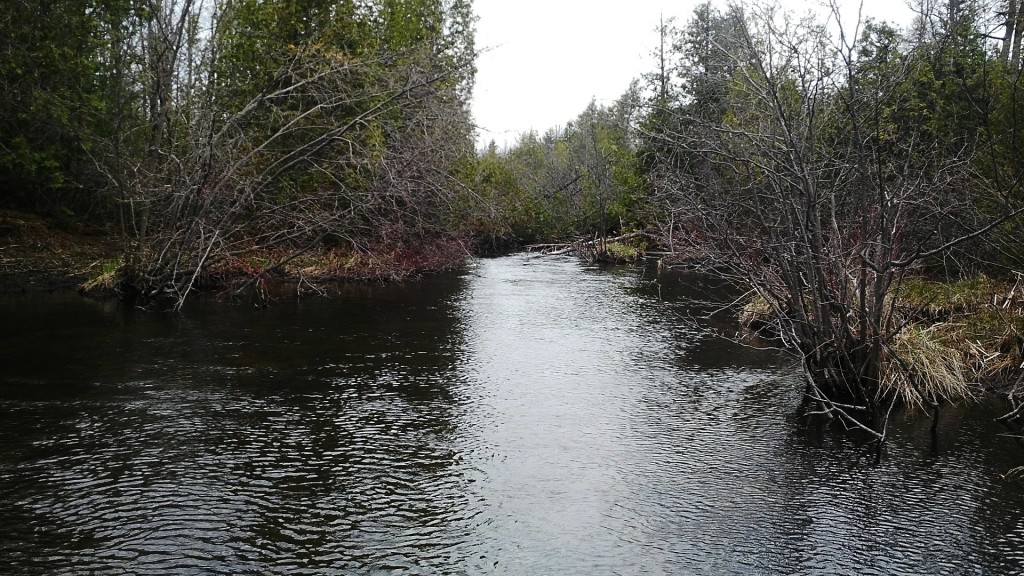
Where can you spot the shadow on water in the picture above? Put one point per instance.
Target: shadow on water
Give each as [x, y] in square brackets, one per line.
[309, 437]
[526, 416]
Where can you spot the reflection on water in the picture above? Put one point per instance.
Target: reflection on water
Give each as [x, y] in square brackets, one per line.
[528, 416]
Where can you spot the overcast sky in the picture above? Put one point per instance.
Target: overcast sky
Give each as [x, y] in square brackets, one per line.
[546, 59]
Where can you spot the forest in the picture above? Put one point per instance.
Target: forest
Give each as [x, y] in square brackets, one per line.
[219, 140]
[861, 182]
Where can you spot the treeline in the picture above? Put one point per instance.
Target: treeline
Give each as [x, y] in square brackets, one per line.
[203, 132]
[938, 97]
[830, 167]
[580, 179]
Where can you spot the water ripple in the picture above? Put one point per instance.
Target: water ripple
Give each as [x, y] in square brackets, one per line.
[530, 417]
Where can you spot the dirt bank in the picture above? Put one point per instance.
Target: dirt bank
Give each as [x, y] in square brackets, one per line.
[36, 254]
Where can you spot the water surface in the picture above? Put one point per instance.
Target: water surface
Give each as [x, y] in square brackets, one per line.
[528, 415]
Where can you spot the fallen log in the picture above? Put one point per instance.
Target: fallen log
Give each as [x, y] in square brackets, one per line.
[592, 250]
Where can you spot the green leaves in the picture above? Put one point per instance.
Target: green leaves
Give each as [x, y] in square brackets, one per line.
[583, 179]
[50, 98]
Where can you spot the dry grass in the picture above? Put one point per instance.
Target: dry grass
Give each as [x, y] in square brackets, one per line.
[950, 341]
[37, 254]
[377, 263]
[397, 262]
[106, 281]
[757, 315]
[921, 366]
[996, 343]
[958, 337]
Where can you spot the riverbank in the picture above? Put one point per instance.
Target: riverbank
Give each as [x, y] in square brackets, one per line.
[961, 338]
[39, 255]
[952, 340]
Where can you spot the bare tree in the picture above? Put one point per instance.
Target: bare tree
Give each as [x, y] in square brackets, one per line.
[813, 202]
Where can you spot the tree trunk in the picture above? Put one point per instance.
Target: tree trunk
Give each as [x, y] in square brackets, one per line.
[1018, 35]
[1010, 25]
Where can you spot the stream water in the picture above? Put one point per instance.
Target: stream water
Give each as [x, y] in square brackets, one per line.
[527, 415]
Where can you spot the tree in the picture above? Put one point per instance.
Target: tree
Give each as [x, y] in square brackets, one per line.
[1013, 31]
[580, 180]
[825, 184]
[54, 102]
[281, 126]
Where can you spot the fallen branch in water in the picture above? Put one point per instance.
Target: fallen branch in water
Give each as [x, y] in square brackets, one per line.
[595, 249]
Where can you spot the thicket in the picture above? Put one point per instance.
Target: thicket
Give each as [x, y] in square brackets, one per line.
[230, 137]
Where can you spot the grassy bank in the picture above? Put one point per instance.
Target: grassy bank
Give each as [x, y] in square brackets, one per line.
[952, 340]
[38, 255]
[966, 335]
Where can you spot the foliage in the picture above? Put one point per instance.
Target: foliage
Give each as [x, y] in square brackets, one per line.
[240, 125]
[205, 130]
[620, 251]
[579, 180]
[843, 174]
[54, 103]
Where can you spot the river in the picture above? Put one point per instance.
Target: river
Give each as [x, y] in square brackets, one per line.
[527, 415]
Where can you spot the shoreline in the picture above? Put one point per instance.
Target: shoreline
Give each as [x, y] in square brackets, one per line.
[37, 255]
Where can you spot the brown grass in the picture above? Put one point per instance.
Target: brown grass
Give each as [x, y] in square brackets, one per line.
[757, 316]
[37, 254]
[951, 341]
[922, 366]
[959, 337]
[321, 265]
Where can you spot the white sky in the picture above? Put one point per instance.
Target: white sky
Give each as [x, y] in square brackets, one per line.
[546, 59]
